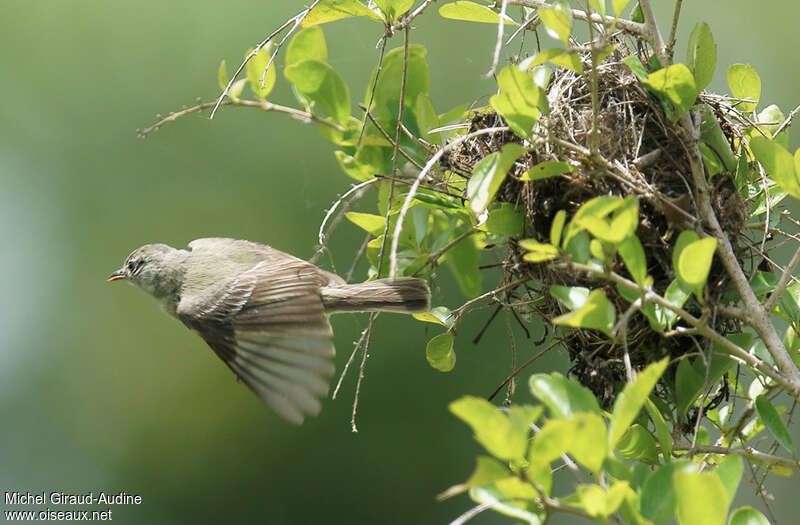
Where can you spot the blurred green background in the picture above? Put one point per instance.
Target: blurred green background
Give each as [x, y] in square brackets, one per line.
[99, 390]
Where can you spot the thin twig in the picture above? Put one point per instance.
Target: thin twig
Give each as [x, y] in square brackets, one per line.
[630, 26]
[321, 234]
[501, 26]
[746, 452]
[783, 281]
[378, 70]
[675, 17]
[523, 366]
[260, 104]
[389, 138]
[361, 369]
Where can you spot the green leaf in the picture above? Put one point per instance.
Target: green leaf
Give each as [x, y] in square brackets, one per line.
[557, 21]
[573, 297]
[222, 75]
[235, 92]
[677, 294]
[321, 83]
[729, 471]
[701, 498]
[694, 262]
[502, 437]
[387, 90]
[778, 163]
[630, 401]
[537, 251]
[578, 435]
[308, 43]
[392, 9]
[624, 222]
[557, 227]
[427, 119]
[578, 246]
[599, 6]
[546, 169]
[494, 498]
[772, 420]
[367, 161]
[747, 516]
[744, 82]
[688, 386]
[520, 101]
[638, 444]
[255, 71]
[662, 431]
[658, 500]
[439, 352]
[463, 261]
[634, 258]
[471, 12]
[598, 314]
[373, 224]
[701, 56]
[489, 174]
[437, 315]
[601, 503]
[505, 219]
[560, 57]
[330, 10]
[676, 84]
[619, 6]
[771, 118]
[636, 66]
[563, 397]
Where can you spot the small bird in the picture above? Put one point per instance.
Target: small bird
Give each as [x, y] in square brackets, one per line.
[264, 312]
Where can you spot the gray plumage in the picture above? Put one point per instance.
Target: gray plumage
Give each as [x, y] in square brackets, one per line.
[264, 312]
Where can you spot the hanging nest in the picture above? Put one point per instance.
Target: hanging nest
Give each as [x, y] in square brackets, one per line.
[633, 132]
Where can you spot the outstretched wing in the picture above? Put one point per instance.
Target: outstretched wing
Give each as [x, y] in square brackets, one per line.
[269, 326]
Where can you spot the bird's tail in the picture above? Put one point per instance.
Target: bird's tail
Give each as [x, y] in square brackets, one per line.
[407, 295]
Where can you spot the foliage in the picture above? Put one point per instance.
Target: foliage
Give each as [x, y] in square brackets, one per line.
[649, 286]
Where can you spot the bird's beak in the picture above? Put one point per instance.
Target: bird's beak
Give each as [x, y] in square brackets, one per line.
[119, 274]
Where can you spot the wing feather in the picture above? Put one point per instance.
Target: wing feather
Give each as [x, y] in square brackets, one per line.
[270, 327]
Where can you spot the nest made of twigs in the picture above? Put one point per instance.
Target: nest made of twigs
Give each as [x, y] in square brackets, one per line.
[635, 133]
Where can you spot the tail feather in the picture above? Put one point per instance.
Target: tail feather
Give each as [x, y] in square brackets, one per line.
[406, 295]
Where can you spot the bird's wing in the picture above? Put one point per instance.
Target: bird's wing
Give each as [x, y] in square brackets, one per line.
[269, 326]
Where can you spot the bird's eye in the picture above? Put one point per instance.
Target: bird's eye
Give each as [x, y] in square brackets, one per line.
[134, 266]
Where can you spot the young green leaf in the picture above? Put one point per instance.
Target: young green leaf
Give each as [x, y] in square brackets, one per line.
[255, 71]
[619, 6]
[562, 396]
[487, 471]
[489, 174]
[745, 83]
[634, 258]
[235, 92]
[321, 83]
[630, 401]
[663, 434]
[601, 503]
[747, 516]
[462, 259]
[392, 9]
[439, 352]
[694, 262]
[537, 251]
[557, 20]
[658, 500]
[471, 12]
[772, 420]
[222, 75]
[520, 101]
[701, 56]
[701, 498]
[564, 58]
[598, 6]
[714, 139]
[598, 314]
[573, 297]
[577, 434]
[636, 66]
[505, 219]
[499, 435]
[308, 43]
[387, 89]
[688, 386]
[330, 10]
[437, 315]
[729, 471]
[676, 84]
[778, 163]
[546, 169]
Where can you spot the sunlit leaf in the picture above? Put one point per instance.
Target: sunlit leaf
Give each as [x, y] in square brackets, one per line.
[537, 251]
[701, 55]
[662, 431]
[437, 315]
[255, 71]
[633, 256]
[557, 20]
[502, 437]
[745, 83]
[387, 89]
[471, 12]
[394, 8]
[557, 227]
[630, 401]
[694, 261]
[330, 10]
[619, 6]
[546, 169]
[778, 163]
[222, 75]
[638, 444]
[729, 471]
[439, 352]
[505, 219]
[321, 83]
[373, 224]
[308, 43]
[747, 516]
[701, 498]
[520, 101]
[636, 66]
[564, 58]
[573, 297]
[658, 501]
[562, 396]
[598, 314]
[676, 84]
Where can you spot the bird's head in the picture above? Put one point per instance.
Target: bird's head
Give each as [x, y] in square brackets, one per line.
[155, 268]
